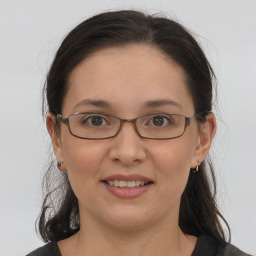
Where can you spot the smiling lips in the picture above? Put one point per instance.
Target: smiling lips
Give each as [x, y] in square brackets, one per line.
[127, 186]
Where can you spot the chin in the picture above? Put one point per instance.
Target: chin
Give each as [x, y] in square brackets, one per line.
[129, 218]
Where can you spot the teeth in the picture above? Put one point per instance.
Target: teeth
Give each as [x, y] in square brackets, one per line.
[126, 184]
[137, 183]
[122, 183]
[111, 182]
[131, 184]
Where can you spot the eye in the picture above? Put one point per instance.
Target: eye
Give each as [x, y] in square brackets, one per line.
[95, 120]
[159, 121]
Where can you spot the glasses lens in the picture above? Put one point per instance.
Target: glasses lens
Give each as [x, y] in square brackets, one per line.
[93, 126]
[161, 126]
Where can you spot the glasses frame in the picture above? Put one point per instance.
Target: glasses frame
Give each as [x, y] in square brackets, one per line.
[60, 118]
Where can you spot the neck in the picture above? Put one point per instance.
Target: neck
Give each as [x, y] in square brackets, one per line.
[163, 240]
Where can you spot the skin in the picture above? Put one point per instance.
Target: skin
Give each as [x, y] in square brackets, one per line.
[126, 78]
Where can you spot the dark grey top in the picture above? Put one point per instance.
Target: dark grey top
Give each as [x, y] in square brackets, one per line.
[205, 246]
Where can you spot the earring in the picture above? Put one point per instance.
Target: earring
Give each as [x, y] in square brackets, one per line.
[60, 166]
[197, 168]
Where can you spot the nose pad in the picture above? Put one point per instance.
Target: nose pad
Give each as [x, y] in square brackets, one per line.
[127, 147]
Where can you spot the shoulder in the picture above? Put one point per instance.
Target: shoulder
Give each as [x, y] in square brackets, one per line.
[208, 246]
[46, 250]
[234, 251]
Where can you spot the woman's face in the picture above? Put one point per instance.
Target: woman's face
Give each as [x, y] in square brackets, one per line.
[128, 82]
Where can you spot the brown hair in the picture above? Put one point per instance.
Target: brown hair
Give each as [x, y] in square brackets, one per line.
[199, 213]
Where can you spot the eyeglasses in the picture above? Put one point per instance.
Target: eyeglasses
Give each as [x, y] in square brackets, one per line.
[98, 126]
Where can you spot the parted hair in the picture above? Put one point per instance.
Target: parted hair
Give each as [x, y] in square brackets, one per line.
[199, 214]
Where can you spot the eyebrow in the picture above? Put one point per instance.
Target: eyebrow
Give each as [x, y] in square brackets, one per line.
[162, 102]
[147, 104]
[96, 103]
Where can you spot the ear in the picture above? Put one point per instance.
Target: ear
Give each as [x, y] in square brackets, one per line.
[207, 131]
[56, 142]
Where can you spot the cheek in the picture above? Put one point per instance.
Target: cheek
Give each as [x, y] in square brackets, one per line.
[82, 159]
[173, 161]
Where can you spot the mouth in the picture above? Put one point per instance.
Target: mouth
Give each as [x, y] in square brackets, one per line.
[127, 184]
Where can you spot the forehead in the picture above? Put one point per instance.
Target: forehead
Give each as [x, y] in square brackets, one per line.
[126, 78]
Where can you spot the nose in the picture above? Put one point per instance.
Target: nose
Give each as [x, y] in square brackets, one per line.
[128, 147]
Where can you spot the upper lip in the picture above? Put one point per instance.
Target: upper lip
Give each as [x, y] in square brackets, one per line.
[127, 177]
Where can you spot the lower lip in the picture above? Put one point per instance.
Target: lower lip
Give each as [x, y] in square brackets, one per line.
[127, 193]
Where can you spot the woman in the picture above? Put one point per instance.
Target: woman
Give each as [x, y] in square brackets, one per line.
[130, 117]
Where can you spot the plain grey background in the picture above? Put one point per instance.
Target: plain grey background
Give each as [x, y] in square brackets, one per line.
[30, 32]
